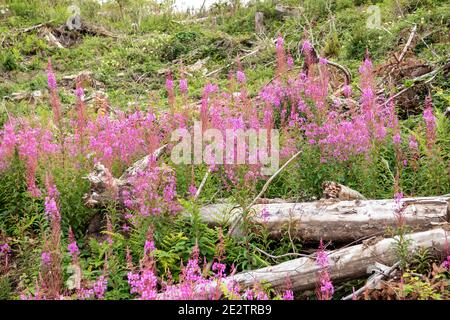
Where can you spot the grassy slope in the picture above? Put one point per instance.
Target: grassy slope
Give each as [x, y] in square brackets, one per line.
[158, 43]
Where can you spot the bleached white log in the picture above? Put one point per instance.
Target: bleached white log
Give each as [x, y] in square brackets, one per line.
[344, 264]
[335, 220]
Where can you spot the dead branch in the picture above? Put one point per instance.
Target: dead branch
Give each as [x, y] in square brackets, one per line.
[408, 44]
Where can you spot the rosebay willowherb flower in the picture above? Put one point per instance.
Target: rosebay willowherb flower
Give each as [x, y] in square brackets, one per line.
[430, 122]
[325, 288]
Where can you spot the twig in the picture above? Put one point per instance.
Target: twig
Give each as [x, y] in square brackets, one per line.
[408, 43]
[196, 20]
[266, 185]
[37, 26]
[231, 63]
[289, 254]
[6, 110]
[202, 184]
[372, 282]
[348, 76]
[264, 188]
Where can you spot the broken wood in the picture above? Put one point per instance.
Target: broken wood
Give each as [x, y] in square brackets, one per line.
[24, 95]
[424, 79]
[232, 63]
[380, 271]
[202, 184]
[51, 39]
[95, 30]
[37, 26]
[447, 113]
[334, 190]
[312, 58]
[291, 11]
[407, 45]
[196, 20]
[311, 221]
[105, 189]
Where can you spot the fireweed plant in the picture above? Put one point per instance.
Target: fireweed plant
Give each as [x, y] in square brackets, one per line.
[344, 135]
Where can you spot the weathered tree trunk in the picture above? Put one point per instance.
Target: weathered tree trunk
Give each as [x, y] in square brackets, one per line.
[334, 220]
[344, 264]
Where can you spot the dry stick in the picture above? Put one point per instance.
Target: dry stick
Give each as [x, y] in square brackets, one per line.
[283, 255]
[372, 282]
[37, 26]
[346, 72]
[231, 63]
[429, 48]
[264, 188]
[52, 40]
[6, 110]
[266, 185]
[202, 184]
[408, 44]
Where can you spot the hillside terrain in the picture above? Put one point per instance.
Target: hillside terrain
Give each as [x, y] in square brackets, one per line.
[94, 206]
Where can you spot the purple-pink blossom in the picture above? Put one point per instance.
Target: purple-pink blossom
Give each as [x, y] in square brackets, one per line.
[183, 85]
[4, 249]
[51, 80]
[46, 258]
[413, 145]
[73, 249]
[240, 76]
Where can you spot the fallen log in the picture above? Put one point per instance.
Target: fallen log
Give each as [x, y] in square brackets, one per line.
[334, 220]
[343, 264]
